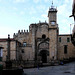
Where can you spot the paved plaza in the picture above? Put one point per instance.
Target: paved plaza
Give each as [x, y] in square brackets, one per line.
[67, 69]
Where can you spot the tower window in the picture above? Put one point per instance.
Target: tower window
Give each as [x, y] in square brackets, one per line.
[43, 36]
[59, 39]
[24, 44]
[68, 39]
[65, 49]
[53, 23]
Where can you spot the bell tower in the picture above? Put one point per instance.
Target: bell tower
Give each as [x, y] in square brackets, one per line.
[52, 16]
[53, 32]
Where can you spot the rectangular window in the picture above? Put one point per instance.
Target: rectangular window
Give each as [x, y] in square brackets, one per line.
[68, 39]
[52, 23]
[0, 54]
[65, 49]
[22, 50]
[59, 39]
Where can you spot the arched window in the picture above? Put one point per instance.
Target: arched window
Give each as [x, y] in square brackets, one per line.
[43, 36]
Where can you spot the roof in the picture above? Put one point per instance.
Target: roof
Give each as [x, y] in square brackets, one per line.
[65, 34]
[52, 8]
[39, 24]
[4, 40]
[42, 23]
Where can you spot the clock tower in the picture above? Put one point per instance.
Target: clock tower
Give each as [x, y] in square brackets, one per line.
[53, 32]
[52, 16]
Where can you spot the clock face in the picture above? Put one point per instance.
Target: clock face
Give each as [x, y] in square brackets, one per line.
[52, 23]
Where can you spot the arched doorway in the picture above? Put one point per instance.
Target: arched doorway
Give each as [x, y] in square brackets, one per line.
[44, 54]
[43, 50]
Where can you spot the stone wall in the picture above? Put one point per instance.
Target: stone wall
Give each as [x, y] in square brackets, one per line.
[53, 43]
[13, 48]
[4, 45]
[27, 53]
[42, 29]
[22, 36]
[70, 48]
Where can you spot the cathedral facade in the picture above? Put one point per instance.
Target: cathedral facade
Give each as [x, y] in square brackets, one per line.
[41, 43]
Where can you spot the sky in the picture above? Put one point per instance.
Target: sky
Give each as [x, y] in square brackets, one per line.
[19, 14]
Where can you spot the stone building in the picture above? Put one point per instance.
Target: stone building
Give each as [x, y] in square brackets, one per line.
[14, 49]
[41, 43]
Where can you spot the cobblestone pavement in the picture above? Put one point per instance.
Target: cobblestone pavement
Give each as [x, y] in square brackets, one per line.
[67, 69]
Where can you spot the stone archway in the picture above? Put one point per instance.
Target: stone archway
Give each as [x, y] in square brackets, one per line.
[44, 54]
[43, 49]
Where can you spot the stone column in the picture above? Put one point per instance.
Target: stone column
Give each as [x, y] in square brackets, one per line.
[8, 62]
[33, 40]
[8, 48]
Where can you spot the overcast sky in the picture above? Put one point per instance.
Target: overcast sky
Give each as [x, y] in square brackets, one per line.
[19, 14]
